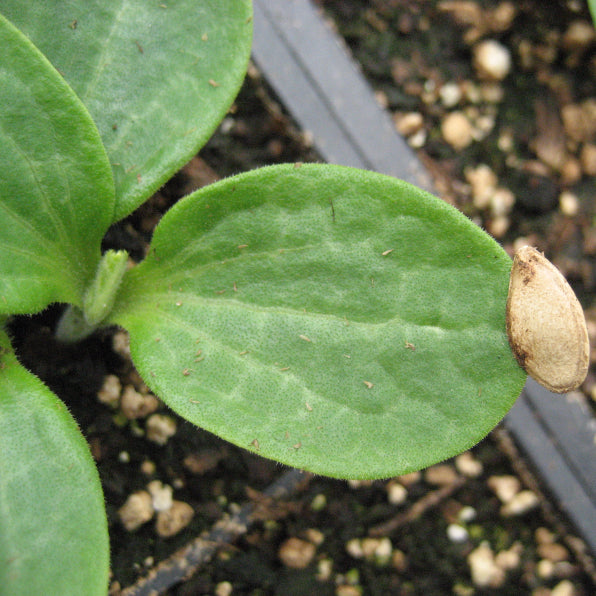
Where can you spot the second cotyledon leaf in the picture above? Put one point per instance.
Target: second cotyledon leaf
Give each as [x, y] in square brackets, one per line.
[333, 319]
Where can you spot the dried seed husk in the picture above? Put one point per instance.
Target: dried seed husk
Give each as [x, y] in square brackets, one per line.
[545, 323]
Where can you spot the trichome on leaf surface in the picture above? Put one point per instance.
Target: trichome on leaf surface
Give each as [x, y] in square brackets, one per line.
[331, 319]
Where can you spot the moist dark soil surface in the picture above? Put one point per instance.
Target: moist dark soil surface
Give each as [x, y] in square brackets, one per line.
[418, 534]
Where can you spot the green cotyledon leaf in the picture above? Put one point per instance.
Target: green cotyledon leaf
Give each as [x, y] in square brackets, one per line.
[156, 76]
[56, 187]
[592, 7]
[332, 319]
[53, 527]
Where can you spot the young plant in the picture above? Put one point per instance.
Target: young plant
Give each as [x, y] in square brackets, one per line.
[331, 319]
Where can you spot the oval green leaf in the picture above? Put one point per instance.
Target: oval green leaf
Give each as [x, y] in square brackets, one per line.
[53, 528]
[157, 77]
[333, 319]
[56, 188]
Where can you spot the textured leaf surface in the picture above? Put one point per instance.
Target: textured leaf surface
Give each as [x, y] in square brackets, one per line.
[332, 319]
[53, 530]
[56, 189]
[157, 77]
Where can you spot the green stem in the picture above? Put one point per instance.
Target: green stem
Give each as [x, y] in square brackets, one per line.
[77, 323]
[72, 325]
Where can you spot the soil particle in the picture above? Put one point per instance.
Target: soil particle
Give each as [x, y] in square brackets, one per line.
[396, 493]
[457, 130]
[484, 569]
[440, 475]
[553, 552]
[161, 495]
[296, 553]
[520, 504]
[109, 394]
[170, 521]
[135, 405]
[136, 511]
[160, 428]
[491, 60]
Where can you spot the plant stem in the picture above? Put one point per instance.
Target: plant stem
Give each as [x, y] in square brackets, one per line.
[72, 325]
[76, 323]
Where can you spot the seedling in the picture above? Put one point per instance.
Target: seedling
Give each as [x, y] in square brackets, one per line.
[349, 323]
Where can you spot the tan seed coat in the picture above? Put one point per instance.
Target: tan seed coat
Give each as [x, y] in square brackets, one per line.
[545, 323]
